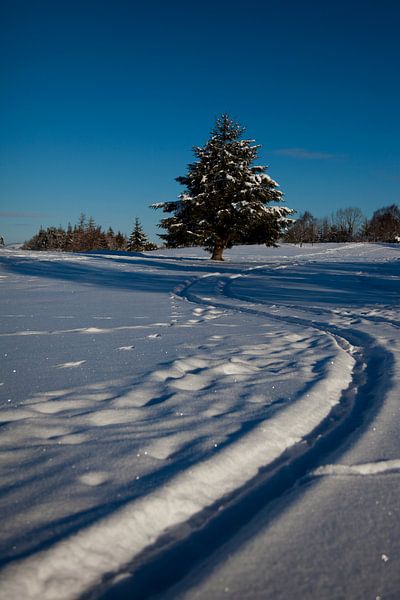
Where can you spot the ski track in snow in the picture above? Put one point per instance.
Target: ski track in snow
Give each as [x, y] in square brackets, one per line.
[375, 468]
[161, 425]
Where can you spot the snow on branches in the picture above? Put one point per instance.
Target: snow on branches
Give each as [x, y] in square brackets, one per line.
[226, 199]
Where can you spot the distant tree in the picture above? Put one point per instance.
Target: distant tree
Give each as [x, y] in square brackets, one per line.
[120, 241]
[303, 231]
[91, 235]
[102, 241]
[347, 222]
[364, 230]
[345, 225]
[40, 241]
[225, 199]
[85, 236]
[324, 230]
[384, 225]
[138, 240]
[110, 236]
[79, 234]
[68, 238]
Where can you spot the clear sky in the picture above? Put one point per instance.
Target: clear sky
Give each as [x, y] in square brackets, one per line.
[102, 101]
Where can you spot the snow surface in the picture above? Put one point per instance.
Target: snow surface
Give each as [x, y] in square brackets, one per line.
[139, 390]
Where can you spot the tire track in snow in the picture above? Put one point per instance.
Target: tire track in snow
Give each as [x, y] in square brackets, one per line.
[134, 528]
[195, 493]
[213, 527]
[207, 525]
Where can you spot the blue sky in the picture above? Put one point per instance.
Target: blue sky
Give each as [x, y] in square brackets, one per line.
[101, 103]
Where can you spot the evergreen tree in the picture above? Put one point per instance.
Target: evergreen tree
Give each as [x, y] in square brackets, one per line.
[78, 244]
[138, 240]
[86, 236]
[37, 242]
[95, 238]
[110, 237]
[69, 239]
[120, 241]
[225, 201]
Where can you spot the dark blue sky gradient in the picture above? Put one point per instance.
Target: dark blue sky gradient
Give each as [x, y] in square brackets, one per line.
[101, 103]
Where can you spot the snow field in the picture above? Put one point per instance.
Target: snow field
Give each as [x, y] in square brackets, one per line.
[131, 429]
[115, 540]
[336, 535]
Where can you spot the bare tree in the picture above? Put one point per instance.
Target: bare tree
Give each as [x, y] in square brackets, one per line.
[348, 222]
[384, 225]
[304, 230]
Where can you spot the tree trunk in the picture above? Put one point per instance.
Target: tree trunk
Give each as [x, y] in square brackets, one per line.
[217, 251]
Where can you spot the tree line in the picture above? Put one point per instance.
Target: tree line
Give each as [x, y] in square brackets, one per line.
[86, 235]
[346, 225]
[227, 200]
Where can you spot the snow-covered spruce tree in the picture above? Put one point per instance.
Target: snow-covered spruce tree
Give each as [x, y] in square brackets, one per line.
[138, 240]
[225, 201]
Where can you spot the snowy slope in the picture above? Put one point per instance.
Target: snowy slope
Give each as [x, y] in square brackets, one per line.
[140, 390]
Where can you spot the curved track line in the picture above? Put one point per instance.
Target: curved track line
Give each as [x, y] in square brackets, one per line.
[182, 547]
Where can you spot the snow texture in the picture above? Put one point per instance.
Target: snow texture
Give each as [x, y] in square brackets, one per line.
[139, 390]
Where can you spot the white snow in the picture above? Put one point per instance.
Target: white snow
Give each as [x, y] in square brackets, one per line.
[380, 466]
[113, 435]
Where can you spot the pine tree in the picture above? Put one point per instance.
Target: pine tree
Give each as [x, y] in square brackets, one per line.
[91, 233]
[120, 241]
[225, 201]
[110, 236]
[69, 239]
[138, 240]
